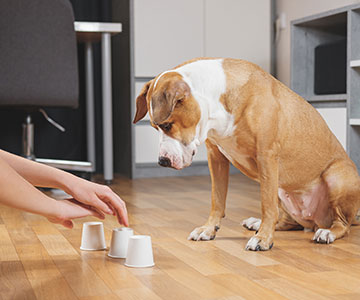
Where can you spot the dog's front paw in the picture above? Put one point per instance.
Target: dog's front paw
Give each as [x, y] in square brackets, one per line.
[258, 244]
[203, 233]
[323, 236]
[252, 223]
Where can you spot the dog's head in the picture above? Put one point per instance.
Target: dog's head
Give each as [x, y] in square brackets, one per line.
[175, 114]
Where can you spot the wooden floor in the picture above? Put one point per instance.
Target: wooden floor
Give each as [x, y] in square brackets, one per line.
[40, 260]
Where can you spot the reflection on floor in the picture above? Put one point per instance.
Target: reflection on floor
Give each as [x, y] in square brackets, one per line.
[40, 260]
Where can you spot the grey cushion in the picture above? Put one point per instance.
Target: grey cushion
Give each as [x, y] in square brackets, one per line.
[38, 54]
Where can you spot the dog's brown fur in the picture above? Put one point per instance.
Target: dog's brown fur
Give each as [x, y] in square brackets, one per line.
[279, 140]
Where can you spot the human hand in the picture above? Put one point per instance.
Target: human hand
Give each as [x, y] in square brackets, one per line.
[71, 209]
[98, 196]
[21, 175]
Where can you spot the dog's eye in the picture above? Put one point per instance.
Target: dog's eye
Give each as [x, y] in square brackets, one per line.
[166, 126]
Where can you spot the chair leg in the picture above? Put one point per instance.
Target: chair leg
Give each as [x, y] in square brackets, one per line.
[28, 149]
[28, 138]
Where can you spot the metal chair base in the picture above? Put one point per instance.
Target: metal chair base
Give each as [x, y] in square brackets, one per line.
[28, 152]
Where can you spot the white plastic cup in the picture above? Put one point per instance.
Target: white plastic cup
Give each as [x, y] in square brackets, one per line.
[139, 253]
[119, 242]
[93, 237]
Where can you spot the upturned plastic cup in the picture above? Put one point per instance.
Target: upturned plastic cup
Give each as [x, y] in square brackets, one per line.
[119, 242]
[93, 236]
[139, 254]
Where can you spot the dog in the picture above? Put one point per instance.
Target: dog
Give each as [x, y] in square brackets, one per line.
[272, 135]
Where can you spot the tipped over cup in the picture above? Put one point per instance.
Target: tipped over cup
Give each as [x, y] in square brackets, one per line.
[93, 237]
[119, 242]
[139, 253]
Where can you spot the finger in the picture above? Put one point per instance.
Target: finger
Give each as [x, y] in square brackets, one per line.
[124, 216]
[125, 213]
[95, 203]
[119, 218]
[113, 209]
[92, 211]
[102, 206]
[90, 208]
[68, 224]
[119, 205]
[97, 214]
[108, 203]
[115, 212]
[122, 213]
[108, 196]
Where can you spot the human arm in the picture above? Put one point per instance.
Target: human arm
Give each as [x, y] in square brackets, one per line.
[18, 193]
[95, 195]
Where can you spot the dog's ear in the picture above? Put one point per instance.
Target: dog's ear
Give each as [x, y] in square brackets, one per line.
[141, 105]
[164, 104]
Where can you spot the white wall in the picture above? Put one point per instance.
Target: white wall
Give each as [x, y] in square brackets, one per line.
[238, 29]
[295, 9]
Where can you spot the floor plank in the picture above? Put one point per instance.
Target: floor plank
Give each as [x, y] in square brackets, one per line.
[13, 281]
[7, 249]
[41, 260]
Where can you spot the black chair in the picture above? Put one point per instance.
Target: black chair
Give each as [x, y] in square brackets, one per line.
[38, 64]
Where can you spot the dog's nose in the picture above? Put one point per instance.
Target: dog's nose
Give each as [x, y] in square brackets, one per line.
[164, 161]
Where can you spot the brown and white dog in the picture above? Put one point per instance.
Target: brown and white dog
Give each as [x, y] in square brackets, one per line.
[272, 135]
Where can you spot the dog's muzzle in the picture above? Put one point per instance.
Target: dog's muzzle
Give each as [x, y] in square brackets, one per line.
[164, 161]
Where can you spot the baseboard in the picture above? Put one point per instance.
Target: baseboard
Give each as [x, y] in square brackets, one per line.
[146, 170]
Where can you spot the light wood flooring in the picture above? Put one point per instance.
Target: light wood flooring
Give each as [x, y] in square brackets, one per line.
[40, 260]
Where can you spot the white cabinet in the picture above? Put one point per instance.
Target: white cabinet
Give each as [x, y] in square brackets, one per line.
[238, 29]
[201, 154]
[146, 144]
[336, 120]
[169, 32]
[166, 33]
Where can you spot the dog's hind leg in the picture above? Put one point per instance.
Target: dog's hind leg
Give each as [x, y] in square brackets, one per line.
[219, 171]
[252, 223]
[338, 229]
[286, 222]
[344, 198]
